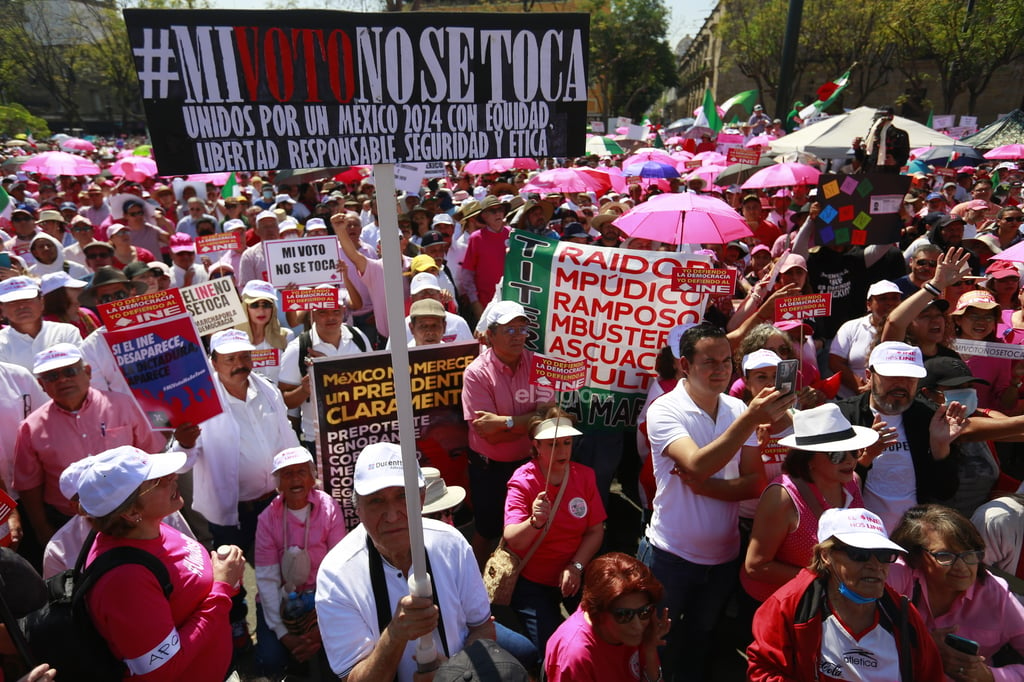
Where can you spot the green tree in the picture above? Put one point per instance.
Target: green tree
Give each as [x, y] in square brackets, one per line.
[967, 49]
[15, 119]
[630, 60]
[752, 33]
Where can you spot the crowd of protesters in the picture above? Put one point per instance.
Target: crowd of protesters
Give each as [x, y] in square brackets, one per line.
[758, 500]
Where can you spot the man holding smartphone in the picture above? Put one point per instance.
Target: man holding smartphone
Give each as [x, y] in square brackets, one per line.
[706, 459]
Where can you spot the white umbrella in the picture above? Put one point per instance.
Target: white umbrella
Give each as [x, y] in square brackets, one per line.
[831, 138]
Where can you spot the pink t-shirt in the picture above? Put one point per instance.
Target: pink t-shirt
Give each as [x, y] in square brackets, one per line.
[996, 371]
[575, 653]
[579, 509]
[184, 637]
[485, 256]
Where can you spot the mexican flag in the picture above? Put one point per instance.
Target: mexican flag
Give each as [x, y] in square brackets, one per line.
[230, 188]
[746, 99]
[6, 204]
[826, 95]
[707, 115]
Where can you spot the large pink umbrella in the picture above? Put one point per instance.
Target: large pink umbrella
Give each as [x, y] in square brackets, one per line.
[134, 168]
[706, 173]
[710, 158]
[645, 155]
[684, 219]
[1007, 151]
[219, 179]
[481, 166]
[564, 180]
[77, 144]
[760, 141]
[613, 177]
[782, 175]
[53, 164]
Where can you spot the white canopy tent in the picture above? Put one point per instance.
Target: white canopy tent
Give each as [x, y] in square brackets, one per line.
[831, 138]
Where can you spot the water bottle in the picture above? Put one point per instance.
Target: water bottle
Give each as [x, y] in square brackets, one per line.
[298, 612]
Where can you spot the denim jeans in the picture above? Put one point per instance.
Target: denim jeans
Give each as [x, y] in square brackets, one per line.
[517, 645]
[539, 609]
[695, 596]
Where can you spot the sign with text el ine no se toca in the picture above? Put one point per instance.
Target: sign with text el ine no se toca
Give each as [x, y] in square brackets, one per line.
[263, 90]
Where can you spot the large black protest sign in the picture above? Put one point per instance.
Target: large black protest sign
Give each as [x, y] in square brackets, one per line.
[261, 90]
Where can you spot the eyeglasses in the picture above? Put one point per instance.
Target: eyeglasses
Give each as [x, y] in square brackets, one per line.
[837, 457]
[624, 616]
[922, 262]
[261, 304]
[110, 298]
[1014, 219]
[515, 331]
[63, 372]
[971, 558]
[163, 480]
[884, 556]
[133, 214]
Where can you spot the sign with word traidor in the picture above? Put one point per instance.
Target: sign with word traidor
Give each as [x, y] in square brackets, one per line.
[262, 90]
[558, 374]
[802, 307]
[717, 282]
[306, 261]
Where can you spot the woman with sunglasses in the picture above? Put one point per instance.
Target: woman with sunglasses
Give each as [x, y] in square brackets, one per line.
[184, 635]
[569, 525]
[944, 575]
[837, 619]
[264, 329]
[616, 631]
[818, 474]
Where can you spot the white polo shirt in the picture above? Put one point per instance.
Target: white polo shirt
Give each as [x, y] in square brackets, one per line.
[20, 349]
[697, 528]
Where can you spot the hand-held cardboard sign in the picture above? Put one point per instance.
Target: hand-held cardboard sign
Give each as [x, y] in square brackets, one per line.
[264, 90]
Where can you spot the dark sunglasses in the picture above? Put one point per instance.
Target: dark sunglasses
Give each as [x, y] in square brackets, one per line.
[110, 298]
[97, 254]
[67, 372]
[930, 263]
[133, 214]
[261, 304]
[623, 616]
[837, 457]
[82, 229]
[884, 556]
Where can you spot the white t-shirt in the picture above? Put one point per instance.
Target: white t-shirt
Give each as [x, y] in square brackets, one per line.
[853, 343]
[871, 657]
[697, 528]
[891, 487]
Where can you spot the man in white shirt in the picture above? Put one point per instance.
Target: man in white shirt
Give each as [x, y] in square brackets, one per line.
[706, 459]
[27, 333]
[855, 338]
[425, 286]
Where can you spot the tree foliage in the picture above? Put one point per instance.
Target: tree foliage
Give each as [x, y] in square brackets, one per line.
[15, 119]
[631, 62]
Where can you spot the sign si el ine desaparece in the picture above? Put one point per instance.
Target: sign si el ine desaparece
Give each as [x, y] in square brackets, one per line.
[263, 90]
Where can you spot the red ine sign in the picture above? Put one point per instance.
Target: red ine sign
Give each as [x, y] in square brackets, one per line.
[558, 374]
[741, 155]
[800, 307]
[704, 281]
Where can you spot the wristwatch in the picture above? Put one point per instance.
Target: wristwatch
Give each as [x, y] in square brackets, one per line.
[509, 423]
[578, 566]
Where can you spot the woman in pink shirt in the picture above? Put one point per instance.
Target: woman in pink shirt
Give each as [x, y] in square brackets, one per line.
[570, 532]
[946, 579]
[181, 636]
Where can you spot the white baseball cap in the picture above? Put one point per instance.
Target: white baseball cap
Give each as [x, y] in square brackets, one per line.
[290, 456]
[896, 359]
[422, 282]
[883, 287]
[234, 224]
[113, 475]
[72, 473]
[675, 335]
[257, 288]
[52, 281]
[18, 289]
[266, 215]
[760, 359]
[315, 224]
[442, 218]
[855, 527]
[230, 341]
[504, 312]
[56, 356]
[380, 466]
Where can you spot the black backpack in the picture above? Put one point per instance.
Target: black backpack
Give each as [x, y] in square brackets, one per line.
[62, 633]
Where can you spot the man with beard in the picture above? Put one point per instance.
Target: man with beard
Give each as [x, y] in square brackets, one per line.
[911, 463]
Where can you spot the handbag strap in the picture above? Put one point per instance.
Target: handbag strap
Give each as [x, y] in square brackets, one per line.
[811, 497]
[551, 518]
[380, 592]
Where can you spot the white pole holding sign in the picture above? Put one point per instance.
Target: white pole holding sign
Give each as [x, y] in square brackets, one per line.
[387, 213]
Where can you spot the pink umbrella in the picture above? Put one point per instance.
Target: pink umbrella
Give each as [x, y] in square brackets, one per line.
[760, 140]
[1007, 151]
[684, 219]
[705, 173]
[1015, 253]
[645, 155]
[53, 164]
[621, 130]
[782, 175]
[682, 155]
[675, 139]
[134, 168]
[481, 166]
[219, 179]
[564, 180]
[77, 144]
[710, 157]
[603, 174]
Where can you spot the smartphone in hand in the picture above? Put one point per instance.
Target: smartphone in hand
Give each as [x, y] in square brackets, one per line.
[785, 376]
[962, 644]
